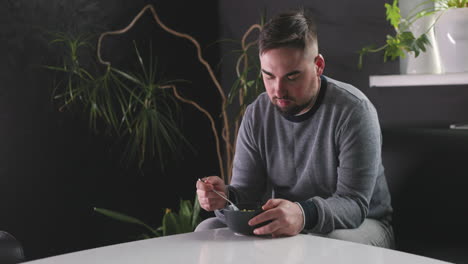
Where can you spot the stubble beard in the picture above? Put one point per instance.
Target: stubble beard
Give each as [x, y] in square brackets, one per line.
[295, 109]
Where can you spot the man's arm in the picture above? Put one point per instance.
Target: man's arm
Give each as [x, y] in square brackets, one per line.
[248, 173]
[359, 147]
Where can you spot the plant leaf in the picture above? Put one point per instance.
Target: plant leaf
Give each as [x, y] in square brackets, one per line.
[393, 14]
[169, 224]
[195, 213]
[124, 218]
[185, 216]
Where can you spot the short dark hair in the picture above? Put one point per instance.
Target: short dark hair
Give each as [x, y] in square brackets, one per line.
[295, 29]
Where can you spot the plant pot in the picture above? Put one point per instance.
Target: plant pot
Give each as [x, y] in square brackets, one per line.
[427, 62]
[452, 39]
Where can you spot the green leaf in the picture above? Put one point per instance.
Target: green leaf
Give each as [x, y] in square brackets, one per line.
[123, 218]
[405, 41]
[169, 224]
[393, 14]
[185, 216]
[55, 68]
[394, 49]
[457, 3]
[422, 42]
[196, 213]
[128, 76]
[234, 90]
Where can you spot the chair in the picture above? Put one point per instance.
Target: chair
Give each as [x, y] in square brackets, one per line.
[11, 251]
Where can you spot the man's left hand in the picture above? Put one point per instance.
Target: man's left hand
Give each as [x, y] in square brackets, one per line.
[287, 218]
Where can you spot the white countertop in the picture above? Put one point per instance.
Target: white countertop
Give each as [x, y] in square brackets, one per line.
[223, 246]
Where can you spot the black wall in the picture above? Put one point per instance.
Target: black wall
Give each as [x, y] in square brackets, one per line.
[53, 169]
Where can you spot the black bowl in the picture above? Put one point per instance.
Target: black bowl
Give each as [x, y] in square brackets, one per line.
[237, 221]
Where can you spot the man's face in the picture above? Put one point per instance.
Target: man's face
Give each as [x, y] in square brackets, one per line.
[292, 78]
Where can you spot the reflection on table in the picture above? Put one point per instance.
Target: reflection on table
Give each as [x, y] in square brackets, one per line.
[223, 246]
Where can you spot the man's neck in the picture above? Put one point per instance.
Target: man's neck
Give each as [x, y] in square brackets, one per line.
[312, 102]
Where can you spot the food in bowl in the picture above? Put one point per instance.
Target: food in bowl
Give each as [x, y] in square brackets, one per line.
[238, 221]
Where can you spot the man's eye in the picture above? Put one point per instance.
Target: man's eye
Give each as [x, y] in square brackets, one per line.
[292, 77]
[268, 77]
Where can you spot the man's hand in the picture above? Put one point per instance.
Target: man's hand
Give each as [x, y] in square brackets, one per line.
[209, 200]
[287, 218]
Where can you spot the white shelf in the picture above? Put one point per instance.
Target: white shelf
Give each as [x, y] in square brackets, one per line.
[418, 79]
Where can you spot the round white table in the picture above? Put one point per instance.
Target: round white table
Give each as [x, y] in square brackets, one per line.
[223, 246]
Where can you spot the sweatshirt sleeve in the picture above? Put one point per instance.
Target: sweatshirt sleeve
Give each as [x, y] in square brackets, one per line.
[248, 173]
[358, 140]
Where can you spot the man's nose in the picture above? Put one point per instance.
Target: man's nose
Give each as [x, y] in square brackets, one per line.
[280, 89]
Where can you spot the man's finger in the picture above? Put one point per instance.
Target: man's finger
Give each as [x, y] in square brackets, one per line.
[208, 194]
[270, 204]
[267, 229]
[263, 217]
[205, 186]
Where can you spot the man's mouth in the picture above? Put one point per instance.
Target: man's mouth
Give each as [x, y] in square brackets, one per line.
[283, 102]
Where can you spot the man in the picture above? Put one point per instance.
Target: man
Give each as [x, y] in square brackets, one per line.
[310, 142]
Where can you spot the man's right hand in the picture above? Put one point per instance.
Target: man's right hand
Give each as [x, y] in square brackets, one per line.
[208, 199]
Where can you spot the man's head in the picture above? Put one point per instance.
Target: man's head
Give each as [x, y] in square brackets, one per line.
[291, 64]
[294, 29]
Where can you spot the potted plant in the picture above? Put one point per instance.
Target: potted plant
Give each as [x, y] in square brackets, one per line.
[129, 106]
[451, 35]
[413, 32]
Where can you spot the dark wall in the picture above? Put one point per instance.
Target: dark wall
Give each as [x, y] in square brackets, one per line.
[53, 169]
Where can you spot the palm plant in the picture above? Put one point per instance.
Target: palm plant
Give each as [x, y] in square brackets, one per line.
[246, 88]
[130, 105]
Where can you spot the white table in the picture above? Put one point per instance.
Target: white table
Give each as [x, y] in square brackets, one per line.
[223, 246]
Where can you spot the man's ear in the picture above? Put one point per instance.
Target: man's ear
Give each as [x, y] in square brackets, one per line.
[319, 64]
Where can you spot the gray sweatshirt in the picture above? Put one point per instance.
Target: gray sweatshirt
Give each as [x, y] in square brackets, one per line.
[328, 159]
